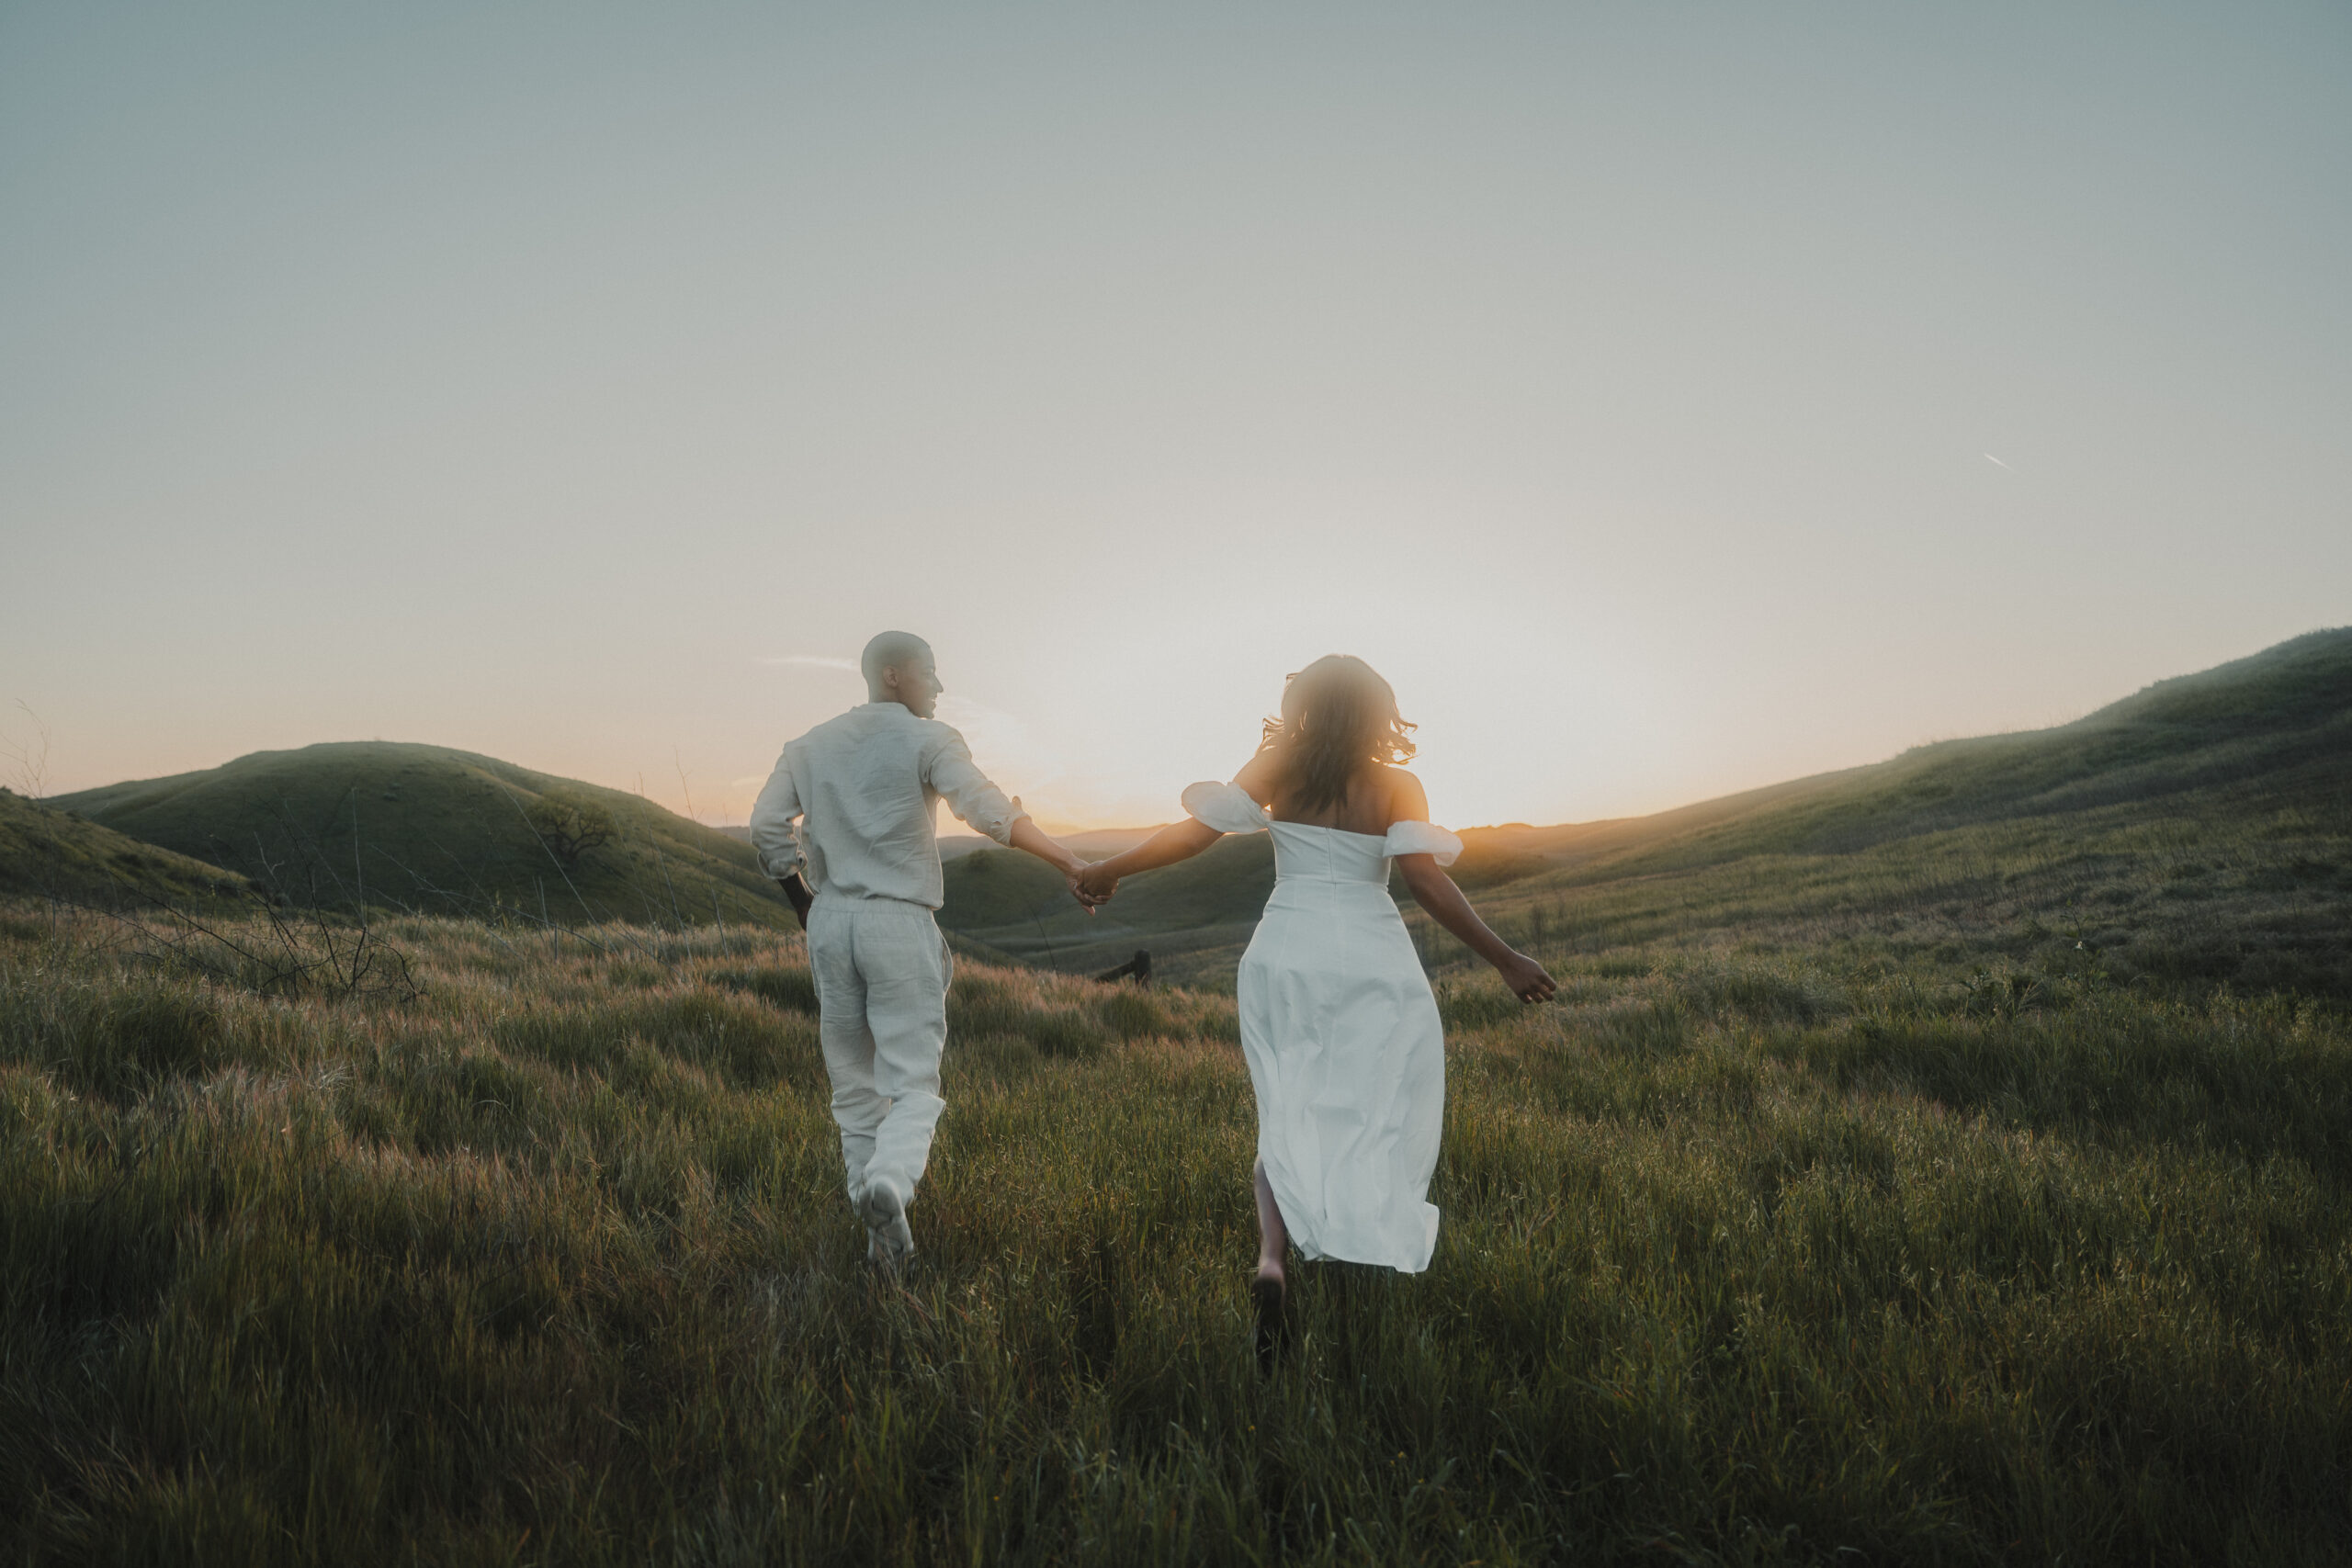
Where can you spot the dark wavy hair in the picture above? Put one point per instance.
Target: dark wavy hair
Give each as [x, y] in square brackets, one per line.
[1338, 714]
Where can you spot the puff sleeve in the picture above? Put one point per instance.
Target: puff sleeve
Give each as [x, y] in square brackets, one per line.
[1421, 839]
[1224, 807]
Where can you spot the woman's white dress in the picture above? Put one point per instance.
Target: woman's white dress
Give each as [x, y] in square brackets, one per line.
[1343, 1037]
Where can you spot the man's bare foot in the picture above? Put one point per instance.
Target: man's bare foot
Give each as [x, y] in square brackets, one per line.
[889, 1243]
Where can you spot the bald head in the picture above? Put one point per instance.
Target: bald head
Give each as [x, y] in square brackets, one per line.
[899, 667]
[889, 651]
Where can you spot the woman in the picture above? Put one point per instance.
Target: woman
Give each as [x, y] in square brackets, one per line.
[1340, 1032]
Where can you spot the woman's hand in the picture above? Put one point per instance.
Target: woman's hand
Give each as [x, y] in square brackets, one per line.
[1526, 978]
[1093, 885]
[1086, 901]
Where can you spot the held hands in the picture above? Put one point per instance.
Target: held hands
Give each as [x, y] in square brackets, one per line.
[1526, 978]
[1091, 886]
[1091, 891]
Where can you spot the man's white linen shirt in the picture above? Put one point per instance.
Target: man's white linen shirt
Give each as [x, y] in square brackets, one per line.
[864, 787]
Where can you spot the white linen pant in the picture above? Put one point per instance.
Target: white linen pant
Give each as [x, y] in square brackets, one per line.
[881, 969]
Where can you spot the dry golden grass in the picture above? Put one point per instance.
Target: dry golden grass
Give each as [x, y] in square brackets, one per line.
[1775, 1256]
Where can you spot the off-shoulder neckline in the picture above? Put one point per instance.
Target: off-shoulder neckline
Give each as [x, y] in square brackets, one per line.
[1275, 821]
[1234, 793]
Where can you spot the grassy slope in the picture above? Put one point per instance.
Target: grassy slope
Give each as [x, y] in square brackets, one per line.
[1776, 1258]
[2207, 816]
[2277, 726]
[427, 828]
[49, 853]
[2199, 832]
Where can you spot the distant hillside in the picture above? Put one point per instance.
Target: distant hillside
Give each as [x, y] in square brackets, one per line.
[2259, 750]
[2275, 728]
[1095, 843]
[1098, 842]
[49, 853]
[429, 829]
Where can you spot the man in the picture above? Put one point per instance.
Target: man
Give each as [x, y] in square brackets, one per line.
[862, 875]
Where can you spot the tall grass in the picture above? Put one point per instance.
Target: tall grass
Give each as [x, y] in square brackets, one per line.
[1778, 1256]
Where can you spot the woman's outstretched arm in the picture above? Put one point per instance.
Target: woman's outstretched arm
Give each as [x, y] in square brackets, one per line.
[1436, 892]
[1178, 840]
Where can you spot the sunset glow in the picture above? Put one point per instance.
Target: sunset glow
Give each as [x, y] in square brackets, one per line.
[1624, 383]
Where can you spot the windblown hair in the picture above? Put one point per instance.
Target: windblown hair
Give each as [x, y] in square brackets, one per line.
[1338, 714]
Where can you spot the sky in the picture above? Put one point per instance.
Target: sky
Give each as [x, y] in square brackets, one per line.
[1667, 398]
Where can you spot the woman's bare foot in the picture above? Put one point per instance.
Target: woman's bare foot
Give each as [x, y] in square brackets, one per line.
[1268, 1289]
[1266, 1293]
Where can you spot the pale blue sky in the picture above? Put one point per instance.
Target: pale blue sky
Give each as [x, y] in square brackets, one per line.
[559, 381]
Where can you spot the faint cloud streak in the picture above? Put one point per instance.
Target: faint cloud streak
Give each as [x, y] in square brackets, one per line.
[813, 662]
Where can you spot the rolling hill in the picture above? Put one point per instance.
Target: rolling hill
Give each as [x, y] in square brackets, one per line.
[49, 853]
[2202, 826]
[2204, 823]
[440, 831]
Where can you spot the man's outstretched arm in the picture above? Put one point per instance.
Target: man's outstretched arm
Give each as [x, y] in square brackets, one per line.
[1027, 835]
[976, 801]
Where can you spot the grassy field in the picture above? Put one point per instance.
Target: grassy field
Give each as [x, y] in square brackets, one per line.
[1853, 1236]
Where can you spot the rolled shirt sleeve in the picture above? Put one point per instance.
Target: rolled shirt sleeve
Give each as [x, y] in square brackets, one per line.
[773, 838]
[950, 771]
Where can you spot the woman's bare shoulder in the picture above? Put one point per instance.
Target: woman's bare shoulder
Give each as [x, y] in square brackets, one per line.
[1258, 776]
[1408, 801]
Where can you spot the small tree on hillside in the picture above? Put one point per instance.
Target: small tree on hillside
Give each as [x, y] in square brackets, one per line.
[569, 826]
